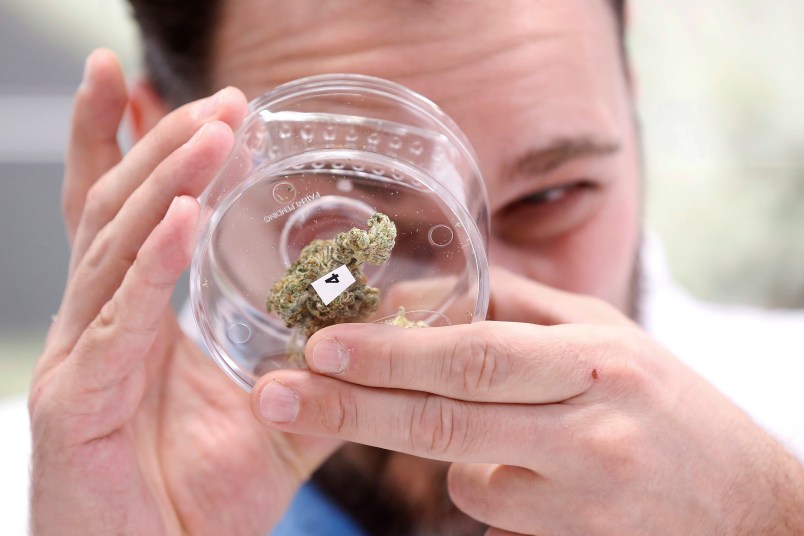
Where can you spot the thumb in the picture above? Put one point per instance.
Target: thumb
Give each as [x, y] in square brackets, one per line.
[518, 299]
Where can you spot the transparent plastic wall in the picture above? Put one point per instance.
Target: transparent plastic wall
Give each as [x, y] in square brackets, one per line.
[320, 156]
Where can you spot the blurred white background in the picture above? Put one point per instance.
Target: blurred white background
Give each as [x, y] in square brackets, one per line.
[721, 87]
[721, 98]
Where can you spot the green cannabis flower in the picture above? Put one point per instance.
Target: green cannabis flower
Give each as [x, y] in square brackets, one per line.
[295, 301]
[401, 320]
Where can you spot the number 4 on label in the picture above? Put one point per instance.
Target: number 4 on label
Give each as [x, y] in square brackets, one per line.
[331, 285]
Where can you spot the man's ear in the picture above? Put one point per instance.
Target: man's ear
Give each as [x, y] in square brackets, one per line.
[146, 108]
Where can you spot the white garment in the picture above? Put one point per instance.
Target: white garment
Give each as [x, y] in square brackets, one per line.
[755, 356]
[14, 466]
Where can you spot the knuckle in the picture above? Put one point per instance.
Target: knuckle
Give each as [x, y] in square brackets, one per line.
[620, 352]
[97, 209]
[395, 361]
[633, 378]
[105, 260]
[599, 310]
[163, 134]
[467, 493]
[339, 413]
[52, 416]
[154, 278]
[599, 306]
[438, 426]
[96, 254]
[618, 449]
[630, 379]
[485, 370]
[107, 318]
[475, 365]
[111, 323]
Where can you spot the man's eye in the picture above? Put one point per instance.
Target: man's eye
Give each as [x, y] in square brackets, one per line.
[551, 195]
[547, 213]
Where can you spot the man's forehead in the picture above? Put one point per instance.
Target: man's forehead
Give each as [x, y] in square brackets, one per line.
[437, 47]
[520, 77]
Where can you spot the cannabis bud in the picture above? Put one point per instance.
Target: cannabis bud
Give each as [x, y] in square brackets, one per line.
[293, 297]
[401, 320]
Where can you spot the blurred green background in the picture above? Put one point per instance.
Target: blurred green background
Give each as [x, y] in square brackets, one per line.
[721, 97]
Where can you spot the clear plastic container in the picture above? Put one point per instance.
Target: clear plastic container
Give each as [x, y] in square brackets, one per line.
[319, 156]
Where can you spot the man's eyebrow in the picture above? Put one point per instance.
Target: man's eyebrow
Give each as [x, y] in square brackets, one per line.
[558, 152]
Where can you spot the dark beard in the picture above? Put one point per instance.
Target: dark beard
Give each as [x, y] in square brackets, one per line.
[364, 482]
[636, 288]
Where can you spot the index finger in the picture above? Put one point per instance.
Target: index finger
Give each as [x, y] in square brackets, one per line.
[92, 147]
[421, 424]
[515, 298]
[485, 362]
[110, 192]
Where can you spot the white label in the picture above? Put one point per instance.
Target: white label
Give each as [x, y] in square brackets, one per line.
[332, 285]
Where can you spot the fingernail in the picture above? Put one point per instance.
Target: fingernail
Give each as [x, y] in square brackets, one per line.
[330, 357]
[87, 76]
[171, 208]
[206, 108]
[278, 403]
[199, 135]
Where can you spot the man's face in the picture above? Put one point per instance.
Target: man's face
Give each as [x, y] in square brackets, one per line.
[538, 86]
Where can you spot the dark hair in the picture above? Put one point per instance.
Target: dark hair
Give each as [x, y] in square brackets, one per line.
[178, 36]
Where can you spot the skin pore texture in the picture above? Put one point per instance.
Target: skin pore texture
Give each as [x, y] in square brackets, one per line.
[561, 416]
